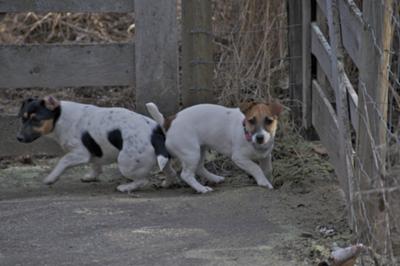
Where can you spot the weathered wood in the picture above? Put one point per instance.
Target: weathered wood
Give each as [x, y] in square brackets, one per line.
[9, 146]
[156, 42]
[351, 27]
[371, 142]
[353, 102]
[197, 52]
[120, 6]
[66, 65]
[322, 6]
[321, 76]
[306, 66]
[294, 18]
[321, 50]
[325, 122]
[338, 76]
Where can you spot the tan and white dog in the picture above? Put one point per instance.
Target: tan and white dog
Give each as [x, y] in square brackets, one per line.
[244, 134]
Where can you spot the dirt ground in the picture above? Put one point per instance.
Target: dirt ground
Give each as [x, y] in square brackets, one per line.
[239, 223]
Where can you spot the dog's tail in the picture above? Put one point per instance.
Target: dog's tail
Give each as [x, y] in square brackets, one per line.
[158, 136]
[156, 114]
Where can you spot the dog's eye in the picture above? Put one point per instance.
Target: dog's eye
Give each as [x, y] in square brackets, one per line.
[268, 121]
[252, 121]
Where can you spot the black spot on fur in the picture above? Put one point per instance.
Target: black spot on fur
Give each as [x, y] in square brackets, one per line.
[91, 145]
[137, 161]
[115, 138]
[158, 142]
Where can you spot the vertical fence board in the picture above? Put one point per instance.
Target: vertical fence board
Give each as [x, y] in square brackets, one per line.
[373, 96]
[156, 55]
[321, 74]
[294, 16]
[306, 67]
[197, 52]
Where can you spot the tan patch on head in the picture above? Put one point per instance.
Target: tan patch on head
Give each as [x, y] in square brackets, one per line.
[45, 128]
[168, 122]
[262, 115]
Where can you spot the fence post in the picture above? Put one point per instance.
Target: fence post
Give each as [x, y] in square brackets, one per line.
[306, 66]
[156, 55]
[294, 17]
[371, 141]
[197, 52]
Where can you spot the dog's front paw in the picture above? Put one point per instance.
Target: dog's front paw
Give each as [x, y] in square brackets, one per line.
[265, 183]
[49, 180]
[204, 189]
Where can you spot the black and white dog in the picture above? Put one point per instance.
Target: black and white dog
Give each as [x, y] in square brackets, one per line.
[99, 136]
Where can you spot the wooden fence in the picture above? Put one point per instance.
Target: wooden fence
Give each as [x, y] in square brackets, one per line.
[350, 119]
[149, 64]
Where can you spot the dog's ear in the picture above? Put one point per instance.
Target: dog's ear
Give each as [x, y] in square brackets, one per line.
[245, 106]
[276, 108]
[50, 103]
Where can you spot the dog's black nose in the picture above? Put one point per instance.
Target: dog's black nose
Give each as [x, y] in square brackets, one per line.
[260, 139]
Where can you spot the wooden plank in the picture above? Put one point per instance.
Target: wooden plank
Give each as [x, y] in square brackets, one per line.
[322, 6]
[66, 65]
[321, 50]
[320, 75]
[307, 64]
[119, 6]
[371, 145]
[352, 27]
[156, 40]
[353, 103]
[325, 122]
[344, 143]
[9, 125]
[197, 52]
[294, 18]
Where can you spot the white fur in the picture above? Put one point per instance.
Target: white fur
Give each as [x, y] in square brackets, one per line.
[212, 126]
[137, 157]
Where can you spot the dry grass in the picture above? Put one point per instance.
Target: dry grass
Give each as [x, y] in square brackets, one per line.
[250, 39]
[66, 27]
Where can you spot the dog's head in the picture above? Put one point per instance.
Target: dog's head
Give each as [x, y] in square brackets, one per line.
[261, 120]
[38, 117]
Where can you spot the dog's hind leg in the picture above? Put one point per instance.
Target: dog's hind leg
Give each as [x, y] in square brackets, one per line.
[190, 164]
[203, 172]
[94, 172]
[133, 168]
